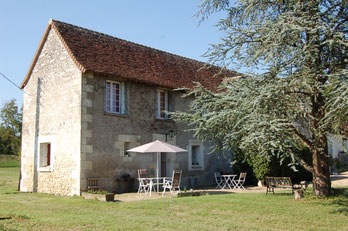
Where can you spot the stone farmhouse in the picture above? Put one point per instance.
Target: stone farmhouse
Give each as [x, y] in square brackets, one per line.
[89, 97]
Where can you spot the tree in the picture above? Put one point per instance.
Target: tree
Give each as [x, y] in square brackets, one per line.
[298, 96]
[11, 128]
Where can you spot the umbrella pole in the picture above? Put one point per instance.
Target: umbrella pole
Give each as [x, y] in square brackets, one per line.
[157, 171]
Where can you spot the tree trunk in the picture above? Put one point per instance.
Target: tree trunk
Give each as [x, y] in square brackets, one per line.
[321, 174]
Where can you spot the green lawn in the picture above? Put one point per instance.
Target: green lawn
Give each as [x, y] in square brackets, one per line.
[9, 161]
[34, 211]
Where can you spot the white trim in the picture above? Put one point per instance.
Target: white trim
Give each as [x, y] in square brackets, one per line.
[46, 139]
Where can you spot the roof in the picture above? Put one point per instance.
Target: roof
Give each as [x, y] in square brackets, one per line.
[103, 54]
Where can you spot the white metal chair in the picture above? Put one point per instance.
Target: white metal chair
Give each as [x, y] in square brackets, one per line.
[144, 185]
[239, 183]
[173, 183]
[219, 180]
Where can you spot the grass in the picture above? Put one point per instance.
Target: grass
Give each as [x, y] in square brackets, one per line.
[9, 161]
[36, 211]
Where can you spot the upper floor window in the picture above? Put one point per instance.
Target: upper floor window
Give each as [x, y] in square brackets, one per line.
[162, 104]
[115, 97]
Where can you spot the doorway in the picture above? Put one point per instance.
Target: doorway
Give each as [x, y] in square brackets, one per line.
[163, 164]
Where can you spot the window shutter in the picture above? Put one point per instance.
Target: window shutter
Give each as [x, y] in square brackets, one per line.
[157, 102]
[108, 97]
[48, 154]
[166, 103]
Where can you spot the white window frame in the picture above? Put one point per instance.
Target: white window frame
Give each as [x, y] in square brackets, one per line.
[158, 102]
[46, 140]
[109, 96]
[193, 143]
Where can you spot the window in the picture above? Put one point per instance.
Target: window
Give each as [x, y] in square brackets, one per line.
[195, 155]
[115, 97]
[162, 104]
[45, 154]
[195, 152]
[126, 147]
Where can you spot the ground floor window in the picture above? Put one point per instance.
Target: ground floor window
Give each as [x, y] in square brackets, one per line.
[195, 155]
[126, 147]
[45, 153]
[195, 152]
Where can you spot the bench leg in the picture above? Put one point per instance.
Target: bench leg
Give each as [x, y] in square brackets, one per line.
[269, 190]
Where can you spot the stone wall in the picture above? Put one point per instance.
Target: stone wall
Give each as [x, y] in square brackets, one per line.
[52, 112]
[337, 144]
[106, 134]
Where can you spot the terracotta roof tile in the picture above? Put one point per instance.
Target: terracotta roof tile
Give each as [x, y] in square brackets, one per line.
[104, 54]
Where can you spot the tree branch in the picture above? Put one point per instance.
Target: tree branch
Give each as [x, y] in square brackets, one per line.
[302, 137]
[304, 164]
[298, 92]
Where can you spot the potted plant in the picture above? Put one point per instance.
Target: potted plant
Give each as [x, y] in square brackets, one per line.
[192, 181]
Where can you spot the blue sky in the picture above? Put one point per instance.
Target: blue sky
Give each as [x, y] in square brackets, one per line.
[163, 24]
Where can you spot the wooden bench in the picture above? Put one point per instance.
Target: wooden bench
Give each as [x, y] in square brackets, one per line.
[279, 182]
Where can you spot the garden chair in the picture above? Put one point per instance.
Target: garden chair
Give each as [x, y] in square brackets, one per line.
[173, 183]
[239, 183]
[219, 180]
[143, 181]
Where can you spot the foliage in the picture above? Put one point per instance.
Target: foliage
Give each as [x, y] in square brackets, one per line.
[235, 211]
[299, 95]
[10, 128]
[261, 166]
[257, 168]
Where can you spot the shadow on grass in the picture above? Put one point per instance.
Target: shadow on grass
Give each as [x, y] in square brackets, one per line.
[216, 192]
[12, 192]
[342, 206]
[280, 194]
[339, 198]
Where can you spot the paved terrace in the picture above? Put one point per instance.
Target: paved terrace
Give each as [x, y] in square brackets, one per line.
[337, 180]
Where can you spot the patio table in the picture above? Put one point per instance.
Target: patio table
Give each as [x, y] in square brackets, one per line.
[228, 179]
[153, 181]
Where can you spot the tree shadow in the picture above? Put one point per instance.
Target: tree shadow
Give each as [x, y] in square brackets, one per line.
[341, 205]
[339, 199]
[216, 192]
[277, 194]
[338, 177]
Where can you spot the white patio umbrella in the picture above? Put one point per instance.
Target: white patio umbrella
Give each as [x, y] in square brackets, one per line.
[157, 147]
